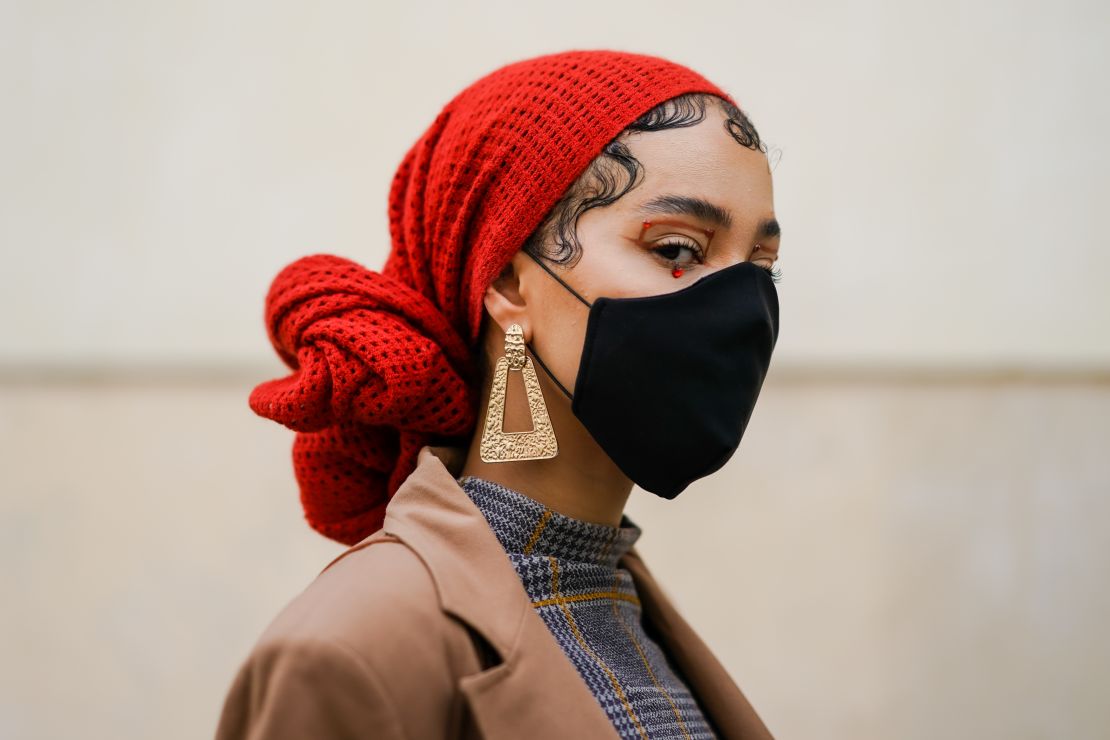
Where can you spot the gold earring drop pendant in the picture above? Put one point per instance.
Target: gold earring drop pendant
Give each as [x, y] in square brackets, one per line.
[539, 443]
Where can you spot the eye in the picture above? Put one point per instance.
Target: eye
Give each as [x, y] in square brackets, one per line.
[771, 269]
[774, 272]
[670, 251]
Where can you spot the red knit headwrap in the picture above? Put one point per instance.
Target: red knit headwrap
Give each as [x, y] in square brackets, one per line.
[384, 363]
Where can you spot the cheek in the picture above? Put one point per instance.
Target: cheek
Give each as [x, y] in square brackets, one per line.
[618, 266]
[558, 334]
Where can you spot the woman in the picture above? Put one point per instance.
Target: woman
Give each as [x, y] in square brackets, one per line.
[608, 215]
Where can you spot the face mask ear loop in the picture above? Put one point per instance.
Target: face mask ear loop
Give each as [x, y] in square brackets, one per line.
[552, 274]
[533, 351]
[549, 373]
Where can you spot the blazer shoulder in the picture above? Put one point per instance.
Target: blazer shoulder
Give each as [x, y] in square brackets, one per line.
[308, 688]
[381, 588]
[365, 643]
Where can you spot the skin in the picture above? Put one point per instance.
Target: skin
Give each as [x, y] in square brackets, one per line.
[701, 160]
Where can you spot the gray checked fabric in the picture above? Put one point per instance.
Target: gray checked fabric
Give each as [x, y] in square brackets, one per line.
[569, 569]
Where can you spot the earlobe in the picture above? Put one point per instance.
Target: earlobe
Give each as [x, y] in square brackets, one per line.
[506, 307]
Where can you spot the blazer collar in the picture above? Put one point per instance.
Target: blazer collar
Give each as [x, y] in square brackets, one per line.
[534, 691]
[431, 512]
[537, 687]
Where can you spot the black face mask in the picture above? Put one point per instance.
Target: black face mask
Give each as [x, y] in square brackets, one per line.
[667, 383]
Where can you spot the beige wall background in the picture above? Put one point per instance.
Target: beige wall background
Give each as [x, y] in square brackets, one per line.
[913, 539]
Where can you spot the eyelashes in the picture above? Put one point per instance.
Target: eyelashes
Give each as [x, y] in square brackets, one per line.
[668, 252]
[774, 272]
[679, 244]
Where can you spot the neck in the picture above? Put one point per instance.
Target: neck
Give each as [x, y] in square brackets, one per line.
[580, 482]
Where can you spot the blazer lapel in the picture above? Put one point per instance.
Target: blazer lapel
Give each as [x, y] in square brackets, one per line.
[534, 692]
[721, 698]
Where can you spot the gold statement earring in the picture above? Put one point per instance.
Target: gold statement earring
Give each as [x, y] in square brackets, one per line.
[539, 443]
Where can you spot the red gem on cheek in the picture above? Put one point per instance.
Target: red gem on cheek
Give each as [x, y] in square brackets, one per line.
[677, 272]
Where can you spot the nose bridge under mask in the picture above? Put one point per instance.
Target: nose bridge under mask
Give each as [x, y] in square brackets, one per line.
[760, 303]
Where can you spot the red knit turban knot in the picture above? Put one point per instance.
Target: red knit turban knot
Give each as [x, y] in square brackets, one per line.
[384, 362]
[378, 369]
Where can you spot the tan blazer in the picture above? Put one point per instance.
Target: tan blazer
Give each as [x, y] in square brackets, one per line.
[424, 630]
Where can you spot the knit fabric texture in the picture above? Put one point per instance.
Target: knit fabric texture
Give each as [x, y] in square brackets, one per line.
[385, 362]
[569, 568]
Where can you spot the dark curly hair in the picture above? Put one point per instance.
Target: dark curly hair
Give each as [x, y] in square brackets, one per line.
[615, 171]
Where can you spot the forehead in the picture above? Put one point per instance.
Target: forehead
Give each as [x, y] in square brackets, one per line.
[703, 160]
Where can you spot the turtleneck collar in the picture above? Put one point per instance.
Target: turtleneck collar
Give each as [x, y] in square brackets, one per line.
[526, 526]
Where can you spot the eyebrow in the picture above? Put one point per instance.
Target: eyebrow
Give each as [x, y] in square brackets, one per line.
[706, 211]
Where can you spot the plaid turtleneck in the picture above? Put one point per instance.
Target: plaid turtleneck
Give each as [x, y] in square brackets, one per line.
[569, 570]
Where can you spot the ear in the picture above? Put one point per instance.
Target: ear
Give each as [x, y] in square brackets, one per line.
[504, 301]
